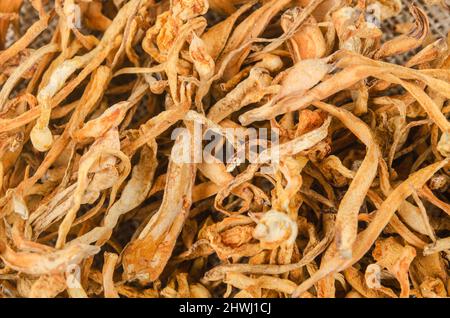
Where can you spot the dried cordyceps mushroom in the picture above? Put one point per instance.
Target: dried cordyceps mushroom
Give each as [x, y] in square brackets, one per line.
[195, 148]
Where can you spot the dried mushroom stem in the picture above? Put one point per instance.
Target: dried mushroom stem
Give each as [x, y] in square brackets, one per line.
[158, 237]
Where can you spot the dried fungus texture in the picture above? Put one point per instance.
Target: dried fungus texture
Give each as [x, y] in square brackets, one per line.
[195, 148]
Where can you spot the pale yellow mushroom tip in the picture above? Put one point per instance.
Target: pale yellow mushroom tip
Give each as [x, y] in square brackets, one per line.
[41, 138]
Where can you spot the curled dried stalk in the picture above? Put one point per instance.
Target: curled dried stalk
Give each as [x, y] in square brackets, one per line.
[158, 237]
[409, 41]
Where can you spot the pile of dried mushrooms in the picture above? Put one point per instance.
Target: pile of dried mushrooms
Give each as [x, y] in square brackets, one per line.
[95, 201]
